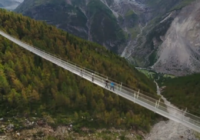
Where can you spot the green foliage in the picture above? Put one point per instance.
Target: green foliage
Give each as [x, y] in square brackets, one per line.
[184, 92]
[149, 73]
[153, 57]
[30, 85]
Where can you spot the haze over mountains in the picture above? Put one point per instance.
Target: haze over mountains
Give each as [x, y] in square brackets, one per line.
[33, 89]
[135, 29]
[162, 34]
[89, 20]
[10, 4]
[111, 23]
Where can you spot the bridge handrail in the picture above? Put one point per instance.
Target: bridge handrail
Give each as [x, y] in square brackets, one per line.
[162, 105]
[84, 68]
[76, 67]
[137, 95]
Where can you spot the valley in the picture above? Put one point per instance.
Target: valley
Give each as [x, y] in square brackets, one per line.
[132, 29]
[140, 41]
[31, 87]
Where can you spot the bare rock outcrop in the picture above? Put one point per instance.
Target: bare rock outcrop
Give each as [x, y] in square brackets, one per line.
[179, 54]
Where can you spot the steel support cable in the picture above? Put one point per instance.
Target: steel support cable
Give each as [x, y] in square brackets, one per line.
[136, 96]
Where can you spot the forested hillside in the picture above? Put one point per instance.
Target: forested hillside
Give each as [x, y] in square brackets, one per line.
[184, 92]
[32, 86]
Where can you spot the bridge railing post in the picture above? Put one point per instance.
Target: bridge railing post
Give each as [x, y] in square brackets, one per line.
[138, 94]
[103, 80]
[184, 112]
[76, 67]
[92, 77]
[81, 72]
[187, 118]
[158, 103]
[134, 96]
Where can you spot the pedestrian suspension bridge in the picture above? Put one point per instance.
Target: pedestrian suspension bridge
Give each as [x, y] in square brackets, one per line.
[157, 106]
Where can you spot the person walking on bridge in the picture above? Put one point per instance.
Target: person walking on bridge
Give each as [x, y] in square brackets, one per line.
[112, 86]
[106, 83]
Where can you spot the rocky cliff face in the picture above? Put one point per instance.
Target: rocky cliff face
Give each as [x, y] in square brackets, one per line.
[180, 51]
[165, 43]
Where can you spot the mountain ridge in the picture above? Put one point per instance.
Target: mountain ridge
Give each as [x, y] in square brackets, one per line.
[120, 20]
[133, 29]
[81, 19]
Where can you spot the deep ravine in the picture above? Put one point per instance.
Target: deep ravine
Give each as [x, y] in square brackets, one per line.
[170, 130]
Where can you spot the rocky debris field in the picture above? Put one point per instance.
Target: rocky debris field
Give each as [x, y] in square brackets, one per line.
[170, 130]
[33, 128]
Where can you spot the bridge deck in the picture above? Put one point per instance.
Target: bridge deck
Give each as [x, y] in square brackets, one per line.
[154, 105]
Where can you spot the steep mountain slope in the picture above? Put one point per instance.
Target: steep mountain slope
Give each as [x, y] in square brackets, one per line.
[135, 29]
[180, 51]
[31, 86]
[90, 20]
[111, 23]
[153, 43]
